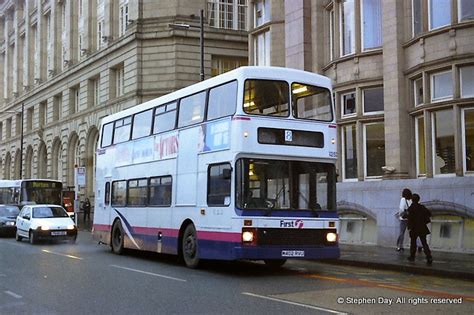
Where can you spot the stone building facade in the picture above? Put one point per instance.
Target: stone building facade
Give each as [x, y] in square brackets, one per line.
[72, 62]
[403, 76]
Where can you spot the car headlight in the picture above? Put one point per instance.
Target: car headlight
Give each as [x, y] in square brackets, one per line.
[71, 227]
[11, 223]
[44, 228]
[331, 237]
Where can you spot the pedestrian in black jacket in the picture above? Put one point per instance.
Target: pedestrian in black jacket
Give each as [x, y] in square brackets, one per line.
[418, 218]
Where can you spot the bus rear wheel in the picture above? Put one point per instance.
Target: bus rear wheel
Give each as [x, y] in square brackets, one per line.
[275, 263]
[117, 238]
[190, 247]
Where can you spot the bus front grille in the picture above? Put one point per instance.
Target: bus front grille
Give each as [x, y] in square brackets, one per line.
[303, 237]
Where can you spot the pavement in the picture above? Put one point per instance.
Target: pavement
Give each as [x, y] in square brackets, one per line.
[445, 264]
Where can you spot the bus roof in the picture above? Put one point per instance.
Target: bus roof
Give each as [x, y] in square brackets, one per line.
[273, 73]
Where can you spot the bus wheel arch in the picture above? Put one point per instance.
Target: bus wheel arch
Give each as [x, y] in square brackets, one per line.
[188, 244]
[117, 237]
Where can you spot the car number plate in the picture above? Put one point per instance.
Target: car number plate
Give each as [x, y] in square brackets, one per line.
[292, 253]
[58, 233]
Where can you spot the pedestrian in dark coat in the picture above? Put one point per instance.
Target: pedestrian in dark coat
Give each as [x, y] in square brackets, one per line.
[418, 218]
[87, 210]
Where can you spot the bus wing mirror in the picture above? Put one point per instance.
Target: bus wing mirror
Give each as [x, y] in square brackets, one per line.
[226, 173]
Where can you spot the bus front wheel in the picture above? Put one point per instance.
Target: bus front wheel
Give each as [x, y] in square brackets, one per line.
[190, 247]
[117, 238]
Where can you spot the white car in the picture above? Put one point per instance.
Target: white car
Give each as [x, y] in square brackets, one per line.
[45, 222]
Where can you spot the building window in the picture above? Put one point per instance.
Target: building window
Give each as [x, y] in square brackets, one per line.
[420, 146]
[119, 81]
[262, 49]
[348, 101]
[468, 139]
[439, 13]
[349, 142]
[96, 91]
[29, 118]
[220, 65]
[374, 138]
[1, 131]
[347, 22]
[443, 142]
[262, 12]
[465, 10]
[74, 100]
[331, 34]
[467, 81]
[445, 230]
[42, 113]
[100, 25]
[18, 122]
[228, 14]
[416, 17]
[441, 86]
[123, 18]
[57, 105]
[373, 100]
[371, 24]
[418, 91]
[9, 128]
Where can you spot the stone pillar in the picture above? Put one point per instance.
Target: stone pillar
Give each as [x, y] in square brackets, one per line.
[298, 48]
[397, 120]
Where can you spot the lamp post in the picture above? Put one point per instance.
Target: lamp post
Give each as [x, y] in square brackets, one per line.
[21, 134]
[201, 38]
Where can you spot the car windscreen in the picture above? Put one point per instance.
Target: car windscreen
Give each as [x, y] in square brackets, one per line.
[9, 211]
[49, 212]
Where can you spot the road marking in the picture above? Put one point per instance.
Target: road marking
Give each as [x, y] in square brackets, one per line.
[60, 254]
[394, 287]
[149, 273]
[10, 293]
[293, 303]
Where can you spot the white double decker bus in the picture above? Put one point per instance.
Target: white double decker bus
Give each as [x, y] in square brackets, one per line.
[240, 166]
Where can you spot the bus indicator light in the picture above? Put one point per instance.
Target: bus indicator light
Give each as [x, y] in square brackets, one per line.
[247, 222]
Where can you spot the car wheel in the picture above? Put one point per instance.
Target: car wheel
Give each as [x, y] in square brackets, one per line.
[190, 247]
[73, 240]
[275, 263]
[18, 237]
[32, 238]
[117, 238]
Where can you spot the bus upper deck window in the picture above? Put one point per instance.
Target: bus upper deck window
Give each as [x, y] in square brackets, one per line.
[266, 97]
[311, 102]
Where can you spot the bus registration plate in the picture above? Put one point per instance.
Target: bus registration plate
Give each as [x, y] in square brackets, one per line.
[292, 253]
[57, 233]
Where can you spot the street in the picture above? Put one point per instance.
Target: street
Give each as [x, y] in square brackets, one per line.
[86, 278]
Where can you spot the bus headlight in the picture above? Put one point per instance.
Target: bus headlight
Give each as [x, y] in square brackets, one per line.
[331, 237]
[249, 236]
